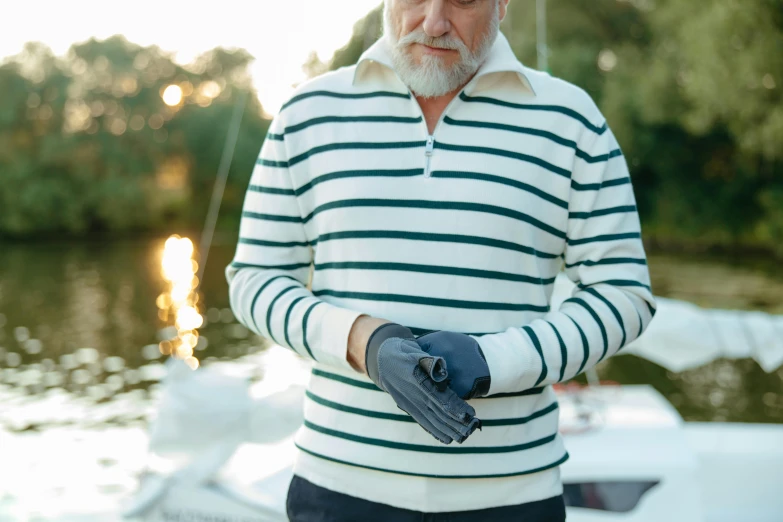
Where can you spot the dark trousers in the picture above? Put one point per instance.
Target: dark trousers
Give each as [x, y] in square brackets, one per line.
[310, 503]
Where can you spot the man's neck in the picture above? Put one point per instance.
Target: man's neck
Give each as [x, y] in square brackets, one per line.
[433, 108]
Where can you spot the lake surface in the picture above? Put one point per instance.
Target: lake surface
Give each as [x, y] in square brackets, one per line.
[80, 332]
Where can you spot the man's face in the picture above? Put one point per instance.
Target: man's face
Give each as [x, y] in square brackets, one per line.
[438, 45]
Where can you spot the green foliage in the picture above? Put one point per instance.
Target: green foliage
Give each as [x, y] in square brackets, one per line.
[365, 32]
[87, 143]
[694, 93]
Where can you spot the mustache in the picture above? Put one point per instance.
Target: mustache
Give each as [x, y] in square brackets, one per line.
[439, 42]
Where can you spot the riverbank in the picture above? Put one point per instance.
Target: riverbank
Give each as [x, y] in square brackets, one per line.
[758, 253]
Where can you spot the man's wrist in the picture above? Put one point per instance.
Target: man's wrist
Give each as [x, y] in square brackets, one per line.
[360, 334]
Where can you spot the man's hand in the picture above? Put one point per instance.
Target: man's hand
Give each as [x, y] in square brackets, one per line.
[468, 368]
[418, 384]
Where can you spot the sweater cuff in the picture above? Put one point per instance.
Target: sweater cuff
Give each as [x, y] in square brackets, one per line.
[336, 325]
[511, 367]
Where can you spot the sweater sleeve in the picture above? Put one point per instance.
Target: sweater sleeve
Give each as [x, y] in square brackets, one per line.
[269, 274]
[612, 302]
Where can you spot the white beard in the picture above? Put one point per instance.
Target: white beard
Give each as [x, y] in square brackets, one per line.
[433, 78]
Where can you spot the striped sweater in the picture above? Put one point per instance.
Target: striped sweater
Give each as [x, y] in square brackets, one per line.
[354, 208]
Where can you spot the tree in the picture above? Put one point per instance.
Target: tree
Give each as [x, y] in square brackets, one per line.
[88, 144]
[365, 33]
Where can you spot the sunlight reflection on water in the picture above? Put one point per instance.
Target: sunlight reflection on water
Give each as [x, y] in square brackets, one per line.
[177, 305]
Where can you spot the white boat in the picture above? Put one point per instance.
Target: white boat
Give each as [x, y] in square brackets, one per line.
[632, 457]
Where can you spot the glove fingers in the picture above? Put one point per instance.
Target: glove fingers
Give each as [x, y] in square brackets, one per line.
[417, 401]
[452, 412]
[458, 432]
[475, 423]
[424, 420]
[464, 422]
[448, 401]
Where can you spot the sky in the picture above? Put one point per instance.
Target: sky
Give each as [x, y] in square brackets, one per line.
[279, 33]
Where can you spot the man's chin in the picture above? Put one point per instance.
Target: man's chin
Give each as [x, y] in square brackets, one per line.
[428, 87]
[428, 78]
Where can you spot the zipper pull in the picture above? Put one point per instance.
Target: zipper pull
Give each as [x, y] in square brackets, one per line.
[428, 155]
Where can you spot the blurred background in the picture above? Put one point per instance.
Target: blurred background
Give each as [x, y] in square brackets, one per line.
[113, 120]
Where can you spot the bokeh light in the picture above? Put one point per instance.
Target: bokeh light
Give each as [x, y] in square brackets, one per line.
[172, 95]
[607, 60]
[210, 89]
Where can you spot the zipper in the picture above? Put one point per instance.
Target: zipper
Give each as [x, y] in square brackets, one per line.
[428, 154]
[429, 148]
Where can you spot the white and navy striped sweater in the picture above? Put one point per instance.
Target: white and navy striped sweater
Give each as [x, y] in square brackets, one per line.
[461, 230]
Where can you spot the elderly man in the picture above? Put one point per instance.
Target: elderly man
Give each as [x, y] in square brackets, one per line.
[436, 189]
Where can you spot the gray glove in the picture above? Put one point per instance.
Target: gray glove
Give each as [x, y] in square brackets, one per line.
[418, 383]
[467, 366]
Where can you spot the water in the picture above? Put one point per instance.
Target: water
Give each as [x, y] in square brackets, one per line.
[79, 324]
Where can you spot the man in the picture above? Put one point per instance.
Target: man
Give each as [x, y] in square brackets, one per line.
[438, 187]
